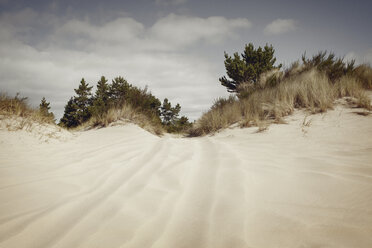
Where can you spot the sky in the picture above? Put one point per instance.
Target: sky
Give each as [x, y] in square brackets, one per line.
[175, 47]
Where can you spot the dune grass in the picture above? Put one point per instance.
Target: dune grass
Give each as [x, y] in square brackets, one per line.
[126, 113]
[23, 115]
[311, 90]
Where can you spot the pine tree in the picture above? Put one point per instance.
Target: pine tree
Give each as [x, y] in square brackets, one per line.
[77, 110]
[44, 109]
[70, 118]
[118, 90]
[248, 68]
[101, 99]
[168, 113]
[83, 101]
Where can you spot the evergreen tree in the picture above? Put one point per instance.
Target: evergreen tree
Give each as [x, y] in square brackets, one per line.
[180, 125]
[168, 113]
[83, 101]
[248, 68]
[118, 90]
[44, 109]
[77, 110]
[70, 117]
[101, 99]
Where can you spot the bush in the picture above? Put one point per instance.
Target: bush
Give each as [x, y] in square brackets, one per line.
[364, 74]
[350, 86]
[310, 89]
[126, 113]
[44, 109]
[248, 68]
[13, 107]
[334, 67]
[78, 108]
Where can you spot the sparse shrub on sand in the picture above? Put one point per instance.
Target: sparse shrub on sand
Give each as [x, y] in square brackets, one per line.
[247, 68]
[268, 94]
[334, 67]
[363, 73]
[121, 101]
[308, 89]
[20, 114]
[125, 113]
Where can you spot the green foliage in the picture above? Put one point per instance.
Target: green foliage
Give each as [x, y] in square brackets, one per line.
[70, 117]
[116, 96]
[248, 67]
[334, 67]
[121, 92]
[44, 109]
[101, 99]
[143, 100]
[179, 125]
[170, 120]
[78, 108]
[168, 113]
[118, 90]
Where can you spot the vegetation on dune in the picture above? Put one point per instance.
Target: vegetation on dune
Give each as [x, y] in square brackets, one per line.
[271, 94]
[247, 68]
[262, 94]
[17, 106]
[44, 109]
[121, 101]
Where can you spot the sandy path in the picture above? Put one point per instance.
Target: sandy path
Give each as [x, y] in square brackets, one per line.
[291, 186]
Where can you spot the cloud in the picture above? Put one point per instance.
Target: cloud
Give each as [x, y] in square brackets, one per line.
[177, 31]
[169, 33]
[280, 26]
[360, 58]
[49, 57]
[170, 2]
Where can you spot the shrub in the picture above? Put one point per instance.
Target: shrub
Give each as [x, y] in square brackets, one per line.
[14, 107]
[364, 74]
[350, 86]
[311, 90]
[44, 109]
[334, 67]
[77, 110]
[248, 68]
[126, 113]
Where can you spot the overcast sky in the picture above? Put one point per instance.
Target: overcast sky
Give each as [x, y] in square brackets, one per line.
[173, 46]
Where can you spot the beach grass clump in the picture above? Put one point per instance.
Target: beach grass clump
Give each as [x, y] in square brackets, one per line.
[19, 114]
[311, 90]
[125, 113]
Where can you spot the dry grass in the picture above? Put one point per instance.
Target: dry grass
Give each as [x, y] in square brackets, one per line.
[19, 114]
[363, 73]
[350, 86]
[310, 90]
[125, 113]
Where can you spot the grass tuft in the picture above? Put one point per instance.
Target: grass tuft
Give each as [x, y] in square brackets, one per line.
[125, 113]
[18, 109]
[311, 90]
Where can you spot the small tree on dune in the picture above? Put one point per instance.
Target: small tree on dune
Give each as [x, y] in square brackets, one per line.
[70, 117]
[44, 109]
[101, 99]
[118, 90]
[83, 100]
[248, 67]
[168, 113]
[77, 110]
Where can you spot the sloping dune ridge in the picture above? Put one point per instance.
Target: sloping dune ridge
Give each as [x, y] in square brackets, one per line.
[307, 183]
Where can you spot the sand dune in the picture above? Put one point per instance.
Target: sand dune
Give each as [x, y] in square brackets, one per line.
[293, 185]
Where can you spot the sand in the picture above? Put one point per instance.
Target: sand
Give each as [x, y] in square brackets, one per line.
[307, 183]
